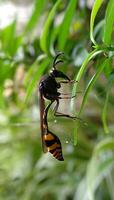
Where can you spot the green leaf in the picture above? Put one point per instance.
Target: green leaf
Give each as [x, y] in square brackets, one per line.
[38, 7]
[78, 77]
[6, 71]
[53, 38]
[10, 41]
[94, 12]
[83, 67]
[2, 103]
[98, 28]
[109, 20]
[65, 26]
[108, 68]
[99, 166]
[95, 173]
[45, 33]
[104, 113]
[105, 108]
[91, 84]
[34, 81]
[32, 70]
[8, 38]
[106, 144]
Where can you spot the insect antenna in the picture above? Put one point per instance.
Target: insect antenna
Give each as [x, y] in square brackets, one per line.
[55, 62]
[59, 61]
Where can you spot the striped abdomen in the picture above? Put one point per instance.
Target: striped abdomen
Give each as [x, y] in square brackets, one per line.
[53, 145]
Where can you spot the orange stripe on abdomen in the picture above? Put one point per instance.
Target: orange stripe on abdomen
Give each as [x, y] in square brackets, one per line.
[53, 145]
[49, 136]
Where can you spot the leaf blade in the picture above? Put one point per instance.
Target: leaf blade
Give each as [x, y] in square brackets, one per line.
[94, 12]
[105, 108]
[34, 81]
[91, 84]
[46, 29]
[38, 6]
[109, 20]
[62, 38]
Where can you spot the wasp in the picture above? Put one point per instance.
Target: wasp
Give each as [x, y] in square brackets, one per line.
[48, 89]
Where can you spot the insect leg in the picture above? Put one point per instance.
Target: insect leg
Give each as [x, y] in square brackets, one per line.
[58, 114]
[57, 96]
[70, 82]
[66, 97]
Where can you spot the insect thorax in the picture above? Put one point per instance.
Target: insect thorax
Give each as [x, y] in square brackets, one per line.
[49, 86]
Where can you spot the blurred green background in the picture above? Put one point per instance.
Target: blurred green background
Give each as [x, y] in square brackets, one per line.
[31, 33]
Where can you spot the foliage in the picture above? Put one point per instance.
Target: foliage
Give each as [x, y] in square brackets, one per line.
[85, 35]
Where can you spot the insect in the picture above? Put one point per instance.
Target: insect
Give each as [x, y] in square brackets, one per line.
[48, 89]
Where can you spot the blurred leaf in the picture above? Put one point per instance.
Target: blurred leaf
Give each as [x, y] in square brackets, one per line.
[81, 190]
[6, 70]
[32, 70]
[34, 81]
[8, 33]
[96, 174]
[109, 20]
[111, 78]
[105, 145]
[91, 83]
[110, 183]
[83, 67]
[104, 113]
[9, 40]
[79, 54]
[95, 9]
[65, 26]
[78, 77]
[105, 108]
[38, 7]
[2, 103]
[45, 33]
[108, 68]
[53, 37]
[99, 167]
[98, 27]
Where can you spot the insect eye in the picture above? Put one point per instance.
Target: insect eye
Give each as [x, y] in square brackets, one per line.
[41, 86]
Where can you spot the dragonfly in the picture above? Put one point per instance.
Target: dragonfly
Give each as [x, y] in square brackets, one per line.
[48, 89]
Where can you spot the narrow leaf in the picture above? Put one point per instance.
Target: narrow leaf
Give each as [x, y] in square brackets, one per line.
[105, 109]
[78, 77]
[109, 20]
[34, 81]
[106, 144]
[94, 12]
[99, 166]
[7, 36]
[104, 113]
[47, 26]
[38, 6]
[65, 26]
[83, 67]
[32, 70]
[91, 84]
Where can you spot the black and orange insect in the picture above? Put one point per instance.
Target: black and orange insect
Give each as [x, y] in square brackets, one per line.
[48, 89]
